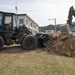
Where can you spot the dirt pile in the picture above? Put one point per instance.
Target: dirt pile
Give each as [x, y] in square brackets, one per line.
[63, 45]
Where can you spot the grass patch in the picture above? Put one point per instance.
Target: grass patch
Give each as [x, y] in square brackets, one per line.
[33, 63]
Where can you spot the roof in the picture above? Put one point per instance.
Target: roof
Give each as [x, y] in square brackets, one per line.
[7, 12]
[21, 14]
[28, 17]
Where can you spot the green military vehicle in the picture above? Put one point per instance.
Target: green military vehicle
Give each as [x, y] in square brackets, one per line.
[9, 33]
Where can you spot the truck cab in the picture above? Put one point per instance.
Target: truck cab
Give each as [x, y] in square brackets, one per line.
[7, 21]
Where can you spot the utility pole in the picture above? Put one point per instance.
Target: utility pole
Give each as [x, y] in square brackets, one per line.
[16, 12]
[55, 24]
[16, 7]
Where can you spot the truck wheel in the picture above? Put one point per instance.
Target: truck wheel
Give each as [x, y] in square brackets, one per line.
[1, 42]
[29, 42]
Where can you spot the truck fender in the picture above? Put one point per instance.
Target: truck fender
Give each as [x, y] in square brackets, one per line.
[22, 38]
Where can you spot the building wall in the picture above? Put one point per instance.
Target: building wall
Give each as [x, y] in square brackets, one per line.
[49, 32]
[29, 23]
[18, 18]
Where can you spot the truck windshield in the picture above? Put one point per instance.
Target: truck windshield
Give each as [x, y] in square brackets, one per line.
[0, 19]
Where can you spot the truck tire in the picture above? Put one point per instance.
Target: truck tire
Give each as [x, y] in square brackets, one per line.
[1, 43]
[29, 42]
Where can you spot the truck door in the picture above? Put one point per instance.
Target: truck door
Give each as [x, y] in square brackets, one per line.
[1, 22]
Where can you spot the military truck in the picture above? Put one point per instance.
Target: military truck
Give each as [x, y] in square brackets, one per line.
[9, 33]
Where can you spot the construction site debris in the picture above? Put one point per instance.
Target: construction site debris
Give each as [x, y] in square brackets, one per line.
[63, 45]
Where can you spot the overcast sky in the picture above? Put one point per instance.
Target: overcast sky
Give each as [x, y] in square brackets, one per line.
[40, 10]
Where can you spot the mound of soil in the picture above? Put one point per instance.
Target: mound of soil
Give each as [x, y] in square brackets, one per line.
[63, 45]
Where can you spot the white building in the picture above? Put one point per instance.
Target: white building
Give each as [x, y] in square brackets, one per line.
[49, 32]
[24, 19]
[59, 32]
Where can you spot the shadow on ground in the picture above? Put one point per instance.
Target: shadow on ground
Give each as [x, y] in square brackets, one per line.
[18, 49]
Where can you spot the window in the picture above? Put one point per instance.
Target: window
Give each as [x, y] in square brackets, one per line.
[14, 21]
[8, 19]
[26, 22]
[31, 24]
[21, 21]
[0, 19]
